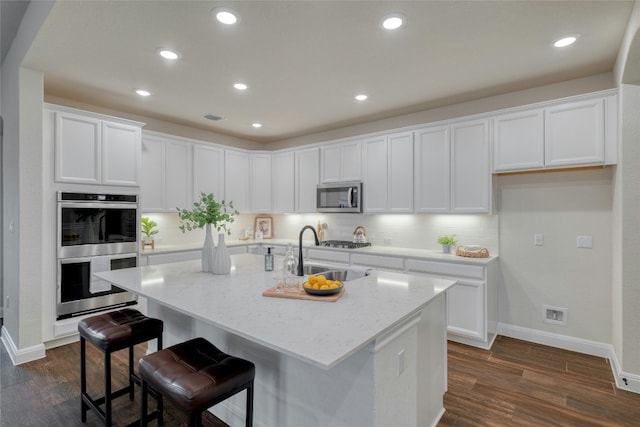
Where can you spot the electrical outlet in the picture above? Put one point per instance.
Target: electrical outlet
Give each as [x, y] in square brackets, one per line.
[400, 358]
[7, 304]
[387, 241]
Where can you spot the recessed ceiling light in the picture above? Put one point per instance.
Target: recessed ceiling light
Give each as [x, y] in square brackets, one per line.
[256, 125]
[392, 21]
[565, 41]
[240, 86]
[225, 15]
[168, 54]
[143, 92]
[361, 97]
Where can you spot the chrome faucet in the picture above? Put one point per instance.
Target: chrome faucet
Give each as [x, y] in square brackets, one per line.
[315, 235]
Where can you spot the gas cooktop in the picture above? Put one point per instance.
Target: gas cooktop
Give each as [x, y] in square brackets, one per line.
[343, 244]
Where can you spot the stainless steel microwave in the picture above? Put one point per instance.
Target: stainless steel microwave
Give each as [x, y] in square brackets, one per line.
[339, 197]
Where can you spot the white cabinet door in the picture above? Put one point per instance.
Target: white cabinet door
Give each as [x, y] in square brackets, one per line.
[152, 194]
[341, 162]
[208, 171]
[465, 309]
[432, 166]
[121, 149]
[78, 145]
[178, 173]
[518, 142]
[574, 133]
[351, 165]
[237, 180]
[307, 177]
[261, 183]
[330, 159]
[470, 167]
[400, 148]
[388, 173]
[375, 165]
[283, 182]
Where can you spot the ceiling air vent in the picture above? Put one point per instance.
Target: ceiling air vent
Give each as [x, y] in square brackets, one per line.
[212, 117]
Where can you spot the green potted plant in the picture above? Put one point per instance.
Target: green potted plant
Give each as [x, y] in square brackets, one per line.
[208, 212]
[447, 242]
[148, 229]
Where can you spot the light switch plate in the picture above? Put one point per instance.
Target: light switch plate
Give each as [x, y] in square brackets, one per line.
[538, 239]
[585, 242]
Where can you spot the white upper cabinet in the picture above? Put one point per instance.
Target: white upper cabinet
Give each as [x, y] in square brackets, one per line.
[261, 183]
[178, 175]
[152, 178]
[518, 141]
[78, 143]
[307, 172]
[208, 171]
[90, 149]
[165, 182]
[341, 162]
[453, 168]
[470, 167]
[433, 166]
[121, 154]
[283, 190]
[573, 133]
[237, 180]
[388, 173]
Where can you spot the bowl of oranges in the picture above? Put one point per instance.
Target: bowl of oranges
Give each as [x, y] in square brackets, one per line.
[318, 284]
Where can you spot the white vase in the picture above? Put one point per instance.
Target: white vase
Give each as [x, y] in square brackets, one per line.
[446, 249]
[222, 257]
[208, 251]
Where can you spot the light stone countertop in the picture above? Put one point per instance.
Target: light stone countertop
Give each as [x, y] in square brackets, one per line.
[320, 333]
[390, 251]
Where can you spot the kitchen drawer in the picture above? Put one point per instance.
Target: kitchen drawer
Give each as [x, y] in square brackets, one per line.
[380, 262]
[173, 257]
[445, 269]
[324, 255]
[235, 250]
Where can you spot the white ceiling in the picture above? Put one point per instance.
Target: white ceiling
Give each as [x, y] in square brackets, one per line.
[305, 60]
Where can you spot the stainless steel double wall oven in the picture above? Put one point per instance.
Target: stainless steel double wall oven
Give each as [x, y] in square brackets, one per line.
[96, 232]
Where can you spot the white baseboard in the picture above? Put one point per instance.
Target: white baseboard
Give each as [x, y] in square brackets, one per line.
[20, 356]
[624, 381]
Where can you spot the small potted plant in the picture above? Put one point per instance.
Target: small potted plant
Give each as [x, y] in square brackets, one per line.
[205, 213]
[148, 230]
[447, 242]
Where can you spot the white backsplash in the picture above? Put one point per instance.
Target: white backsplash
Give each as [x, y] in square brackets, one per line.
[419, 231]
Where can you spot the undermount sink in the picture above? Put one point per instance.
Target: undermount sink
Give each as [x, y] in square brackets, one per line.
[331, 273]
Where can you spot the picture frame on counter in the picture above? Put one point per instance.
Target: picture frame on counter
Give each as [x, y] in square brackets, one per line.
[264, 225]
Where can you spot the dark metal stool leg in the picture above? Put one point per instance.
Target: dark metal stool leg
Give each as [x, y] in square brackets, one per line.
[143, 408]
[83, 380]
[249, 414]
[131, 388]
[107, 388]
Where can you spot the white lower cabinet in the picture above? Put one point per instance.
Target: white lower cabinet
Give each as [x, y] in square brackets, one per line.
[472, 305]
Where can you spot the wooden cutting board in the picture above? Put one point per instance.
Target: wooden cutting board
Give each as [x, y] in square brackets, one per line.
[301, 294]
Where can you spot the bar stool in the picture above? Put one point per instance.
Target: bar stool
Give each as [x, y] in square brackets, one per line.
[195, 375]
[110, 332]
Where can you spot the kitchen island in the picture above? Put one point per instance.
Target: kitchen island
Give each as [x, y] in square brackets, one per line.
[376, 357]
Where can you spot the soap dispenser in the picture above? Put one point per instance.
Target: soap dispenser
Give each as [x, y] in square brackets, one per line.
[268, 261]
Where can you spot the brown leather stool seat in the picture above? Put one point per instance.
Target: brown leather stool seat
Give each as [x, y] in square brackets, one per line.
[196, 375]
[110, 332]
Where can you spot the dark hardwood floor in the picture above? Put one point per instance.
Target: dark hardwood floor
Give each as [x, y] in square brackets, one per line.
[516, 383]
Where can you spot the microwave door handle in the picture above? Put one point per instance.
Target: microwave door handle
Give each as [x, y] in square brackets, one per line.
[350, 197]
